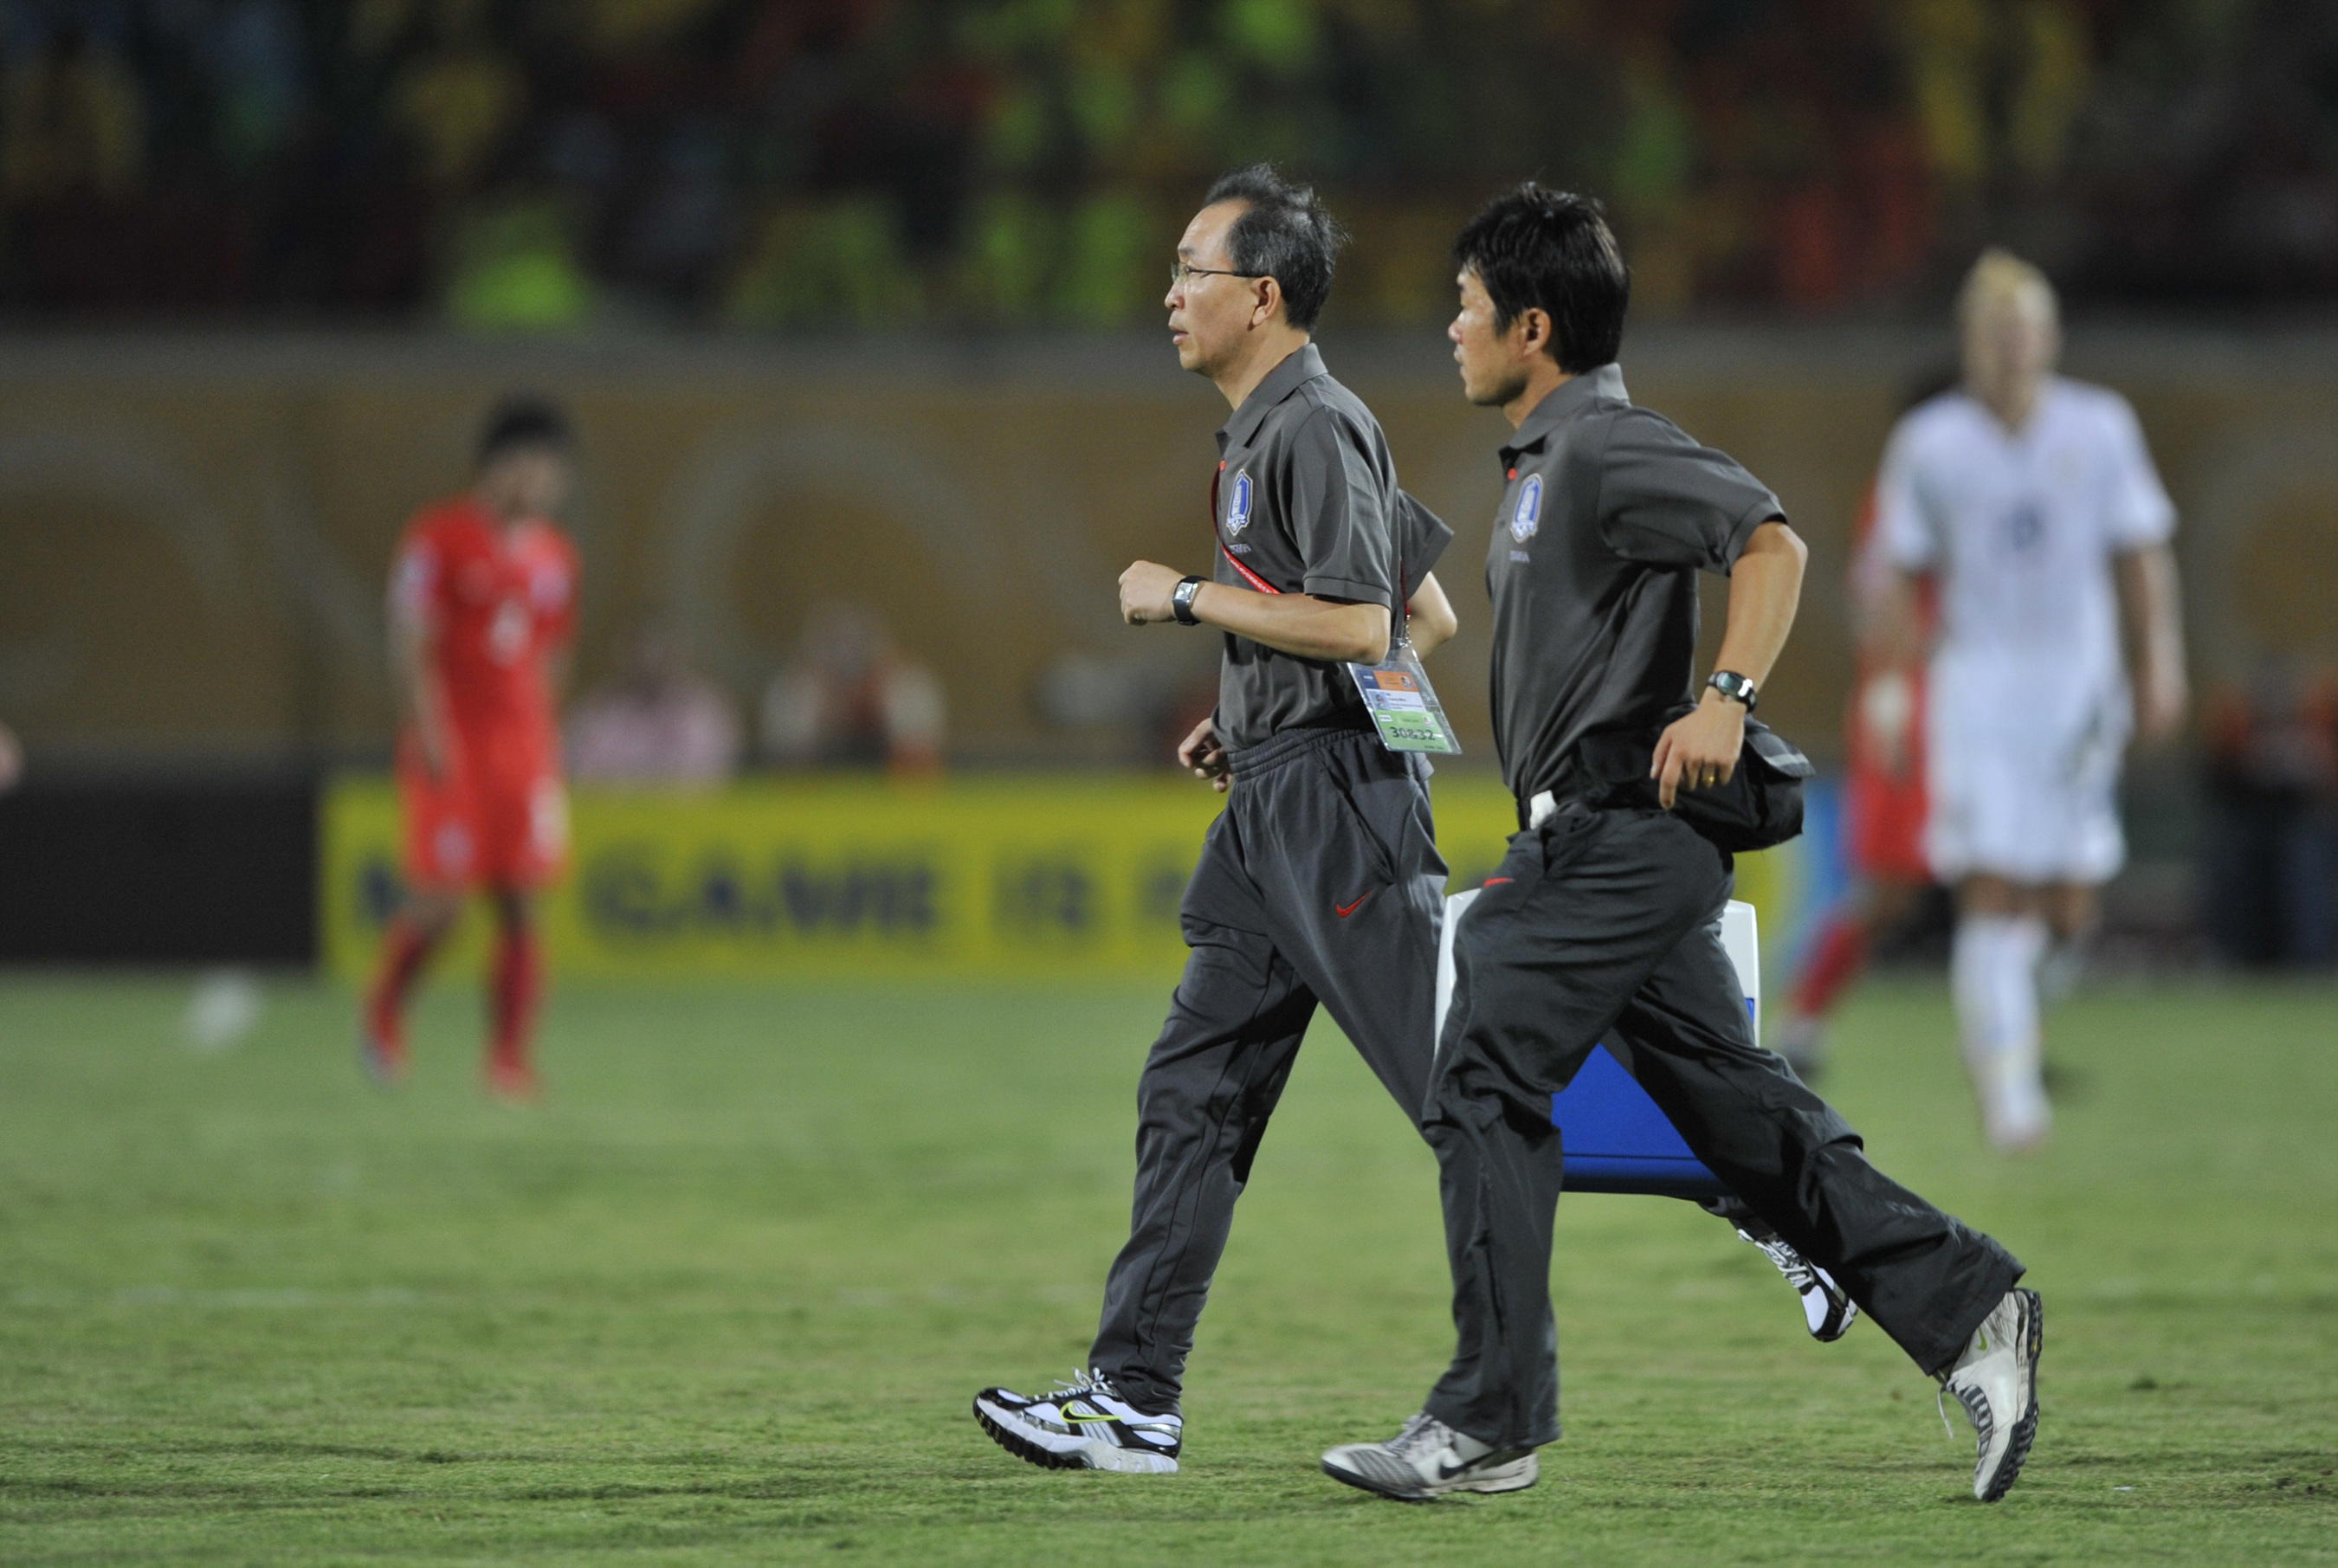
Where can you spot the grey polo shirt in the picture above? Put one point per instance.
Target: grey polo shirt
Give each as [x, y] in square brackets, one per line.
[1608, 513]
[1306, 502]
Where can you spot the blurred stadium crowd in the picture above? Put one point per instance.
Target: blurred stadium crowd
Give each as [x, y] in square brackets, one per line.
[578, 168]
[509, 163]
[849, 698]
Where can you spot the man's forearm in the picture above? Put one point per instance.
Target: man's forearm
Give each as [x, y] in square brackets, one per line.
[1766, 587]
[1432, 623]
[2146, 579]
[1890, 625]
[1299, 624]
[1700, 747]
[410, 661]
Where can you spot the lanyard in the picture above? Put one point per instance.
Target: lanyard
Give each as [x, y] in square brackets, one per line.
[1252, 578]
[1404, 610]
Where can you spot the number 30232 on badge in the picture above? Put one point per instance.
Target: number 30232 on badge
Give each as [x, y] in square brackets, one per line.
[1403, 704]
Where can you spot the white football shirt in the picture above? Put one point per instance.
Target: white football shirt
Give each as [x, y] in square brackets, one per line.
[2023, 527]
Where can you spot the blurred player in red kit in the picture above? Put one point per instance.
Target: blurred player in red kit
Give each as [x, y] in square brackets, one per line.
[482, 602]
[1884, 802]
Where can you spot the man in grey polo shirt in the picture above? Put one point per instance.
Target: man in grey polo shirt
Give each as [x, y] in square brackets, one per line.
[1321, 881]
[1603, 920]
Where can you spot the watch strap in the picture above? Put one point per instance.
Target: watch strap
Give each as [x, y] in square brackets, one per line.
[1182, 601]
[1734, 687]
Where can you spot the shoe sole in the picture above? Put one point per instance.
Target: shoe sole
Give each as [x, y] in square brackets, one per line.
[1081, 1458]
[2024, 1431]
[1430, 1494]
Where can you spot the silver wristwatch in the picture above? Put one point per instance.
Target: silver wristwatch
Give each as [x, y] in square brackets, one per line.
[1181, 601]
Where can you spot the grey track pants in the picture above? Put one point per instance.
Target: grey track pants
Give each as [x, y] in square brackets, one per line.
[1600, 926]
[1320, 882]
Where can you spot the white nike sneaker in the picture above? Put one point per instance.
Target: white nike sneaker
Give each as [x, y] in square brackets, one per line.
[1084, 1425]
[1428, 1459]
[1828, 1310]
[1996, 1380]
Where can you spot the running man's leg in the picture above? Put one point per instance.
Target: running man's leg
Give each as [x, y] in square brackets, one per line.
[1499, 1168]
[1610, 936]
[1579, 915]
[1828, 1310]
[1924, 1276]
[1355, 898]
[1208, 1089]
[1945, 1293]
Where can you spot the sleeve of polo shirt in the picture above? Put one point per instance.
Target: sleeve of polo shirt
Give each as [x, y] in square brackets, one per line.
[1903, 528]
[1666, 500]
[1338, 518]
[1421, 538]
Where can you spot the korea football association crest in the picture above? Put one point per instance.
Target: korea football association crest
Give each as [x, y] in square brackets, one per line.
[1526, 518]
[1238, 502]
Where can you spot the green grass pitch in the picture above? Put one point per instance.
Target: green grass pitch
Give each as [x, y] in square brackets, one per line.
[725, 1298]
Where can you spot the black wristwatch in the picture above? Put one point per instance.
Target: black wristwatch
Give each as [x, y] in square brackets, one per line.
[1182, 601]
[1734, 687]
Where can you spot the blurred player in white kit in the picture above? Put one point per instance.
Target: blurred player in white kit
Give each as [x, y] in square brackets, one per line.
[2034, 502]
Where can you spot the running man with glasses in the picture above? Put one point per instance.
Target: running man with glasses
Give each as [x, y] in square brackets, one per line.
[1320, 883]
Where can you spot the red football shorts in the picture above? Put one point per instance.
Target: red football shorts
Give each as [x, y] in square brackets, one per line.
[1885, 816]
[1885, 808]
[498, 818]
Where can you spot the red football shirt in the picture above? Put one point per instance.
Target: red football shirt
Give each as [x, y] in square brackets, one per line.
[498, 604]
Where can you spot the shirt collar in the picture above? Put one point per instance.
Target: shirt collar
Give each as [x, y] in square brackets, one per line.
[1300, 367]
[1563, 403]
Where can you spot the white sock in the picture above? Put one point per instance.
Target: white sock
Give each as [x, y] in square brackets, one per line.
[1972, 982]
[1993, 972]
[2059, 972]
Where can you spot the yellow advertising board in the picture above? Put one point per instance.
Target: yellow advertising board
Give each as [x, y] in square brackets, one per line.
[1014, 876]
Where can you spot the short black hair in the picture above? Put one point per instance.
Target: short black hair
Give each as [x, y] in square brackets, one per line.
[1537, 248]
[1285, 234]
[525, 419]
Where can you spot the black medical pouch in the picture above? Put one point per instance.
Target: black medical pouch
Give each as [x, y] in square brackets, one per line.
[1761, 805]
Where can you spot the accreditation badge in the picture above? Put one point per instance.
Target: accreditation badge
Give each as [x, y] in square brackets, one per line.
[1403, 704]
